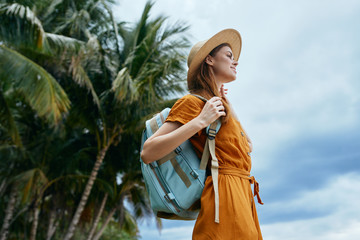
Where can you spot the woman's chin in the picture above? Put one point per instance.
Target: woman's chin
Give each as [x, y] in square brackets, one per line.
[233, 78]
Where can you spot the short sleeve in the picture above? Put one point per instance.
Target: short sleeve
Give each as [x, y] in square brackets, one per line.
[185, 109]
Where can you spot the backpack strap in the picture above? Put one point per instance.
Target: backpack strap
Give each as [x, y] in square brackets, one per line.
[209, 149]
[200, 97]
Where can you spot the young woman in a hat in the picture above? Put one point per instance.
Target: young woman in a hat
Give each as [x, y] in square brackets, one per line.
[212, 63]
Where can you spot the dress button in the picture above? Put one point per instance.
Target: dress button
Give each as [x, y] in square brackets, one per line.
[242, 134]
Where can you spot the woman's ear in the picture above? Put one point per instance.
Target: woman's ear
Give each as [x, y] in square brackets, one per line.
[209, 60]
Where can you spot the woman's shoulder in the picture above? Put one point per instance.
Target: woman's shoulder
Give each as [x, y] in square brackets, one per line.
[188, 103]
[185, 109]
[192, 99]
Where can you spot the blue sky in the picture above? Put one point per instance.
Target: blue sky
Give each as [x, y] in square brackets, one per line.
[297, 95]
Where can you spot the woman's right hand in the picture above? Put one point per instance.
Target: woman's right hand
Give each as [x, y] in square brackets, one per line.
[212, 110]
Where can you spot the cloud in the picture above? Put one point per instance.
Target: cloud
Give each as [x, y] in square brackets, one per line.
[307, 162]
[298, 73]
[338, 199]
[172, 229]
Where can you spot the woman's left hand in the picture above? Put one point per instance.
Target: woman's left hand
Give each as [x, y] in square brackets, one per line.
[223, 93]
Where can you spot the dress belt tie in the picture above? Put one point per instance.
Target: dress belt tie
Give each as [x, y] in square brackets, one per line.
[243, 174]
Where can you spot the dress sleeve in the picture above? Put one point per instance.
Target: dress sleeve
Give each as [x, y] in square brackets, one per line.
[185, 109]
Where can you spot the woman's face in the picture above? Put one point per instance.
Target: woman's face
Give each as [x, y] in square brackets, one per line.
[224, 65]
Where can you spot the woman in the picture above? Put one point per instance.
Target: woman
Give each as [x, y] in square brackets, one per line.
[213, 63]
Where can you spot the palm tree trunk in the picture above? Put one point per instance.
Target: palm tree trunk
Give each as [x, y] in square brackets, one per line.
[97, 218]
[2, 187]
[110, 215]
[8, 214]
[52, 224]
[35, 221]
[107, 220]
[99, 159]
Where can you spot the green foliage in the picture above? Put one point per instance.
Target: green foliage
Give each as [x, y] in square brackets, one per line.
[20, 26]
[73, 81]
[114, 232]
[38, 87]
[7, 121]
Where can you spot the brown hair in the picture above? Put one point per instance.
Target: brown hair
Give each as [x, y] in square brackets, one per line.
[204, 84]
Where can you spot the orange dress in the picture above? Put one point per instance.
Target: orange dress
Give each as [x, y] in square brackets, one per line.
[238, 217]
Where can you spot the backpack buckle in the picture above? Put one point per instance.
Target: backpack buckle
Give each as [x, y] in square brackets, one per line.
[178, 150]
[211, 133]
[194, 174]
[169, 197]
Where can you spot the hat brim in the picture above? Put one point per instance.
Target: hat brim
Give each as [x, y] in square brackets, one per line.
[229, 36]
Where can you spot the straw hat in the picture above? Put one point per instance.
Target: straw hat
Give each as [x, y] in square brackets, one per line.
[201, 49]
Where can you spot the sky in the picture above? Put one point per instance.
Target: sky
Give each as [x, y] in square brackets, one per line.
[297, 96]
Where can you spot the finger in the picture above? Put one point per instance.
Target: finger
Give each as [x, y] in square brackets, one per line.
[218, 103]
[222, 113]
[222, 90]
[214, 99]
[221, 108]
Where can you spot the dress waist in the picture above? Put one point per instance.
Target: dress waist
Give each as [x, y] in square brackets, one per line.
[242, 174]
[234, 172]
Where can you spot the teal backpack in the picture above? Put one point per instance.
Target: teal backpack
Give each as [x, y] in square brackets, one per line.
[175, 182]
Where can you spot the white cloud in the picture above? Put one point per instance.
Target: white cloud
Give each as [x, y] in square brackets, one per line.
[169, 233]
[339, 199]
[296, 72]
[315, 229]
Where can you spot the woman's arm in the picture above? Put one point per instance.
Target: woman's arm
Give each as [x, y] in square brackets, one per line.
[172, 134]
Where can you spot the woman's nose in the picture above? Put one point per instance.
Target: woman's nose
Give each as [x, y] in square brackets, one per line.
[235, 63]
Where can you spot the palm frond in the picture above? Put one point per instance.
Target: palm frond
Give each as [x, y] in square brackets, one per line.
[157, 57]
[157, 81]
[30, 183]
[20, 27]
[130, 226]
[141, 203]
[140, 30]
[115, 27]
[58, 44]
[80, 76]
[7, 120]
[75, 23]
[41, 91]
[50, 9]
[124, 87]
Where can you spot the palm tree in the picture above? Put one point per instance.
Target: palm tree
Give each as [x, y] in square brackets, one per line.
[23, 78]
[113, 75]
[25, 82]
[132, 190]
[148, 71]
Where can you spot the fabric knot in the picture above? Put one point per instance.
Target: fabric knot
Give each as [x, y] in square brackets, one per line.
[256, 189]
